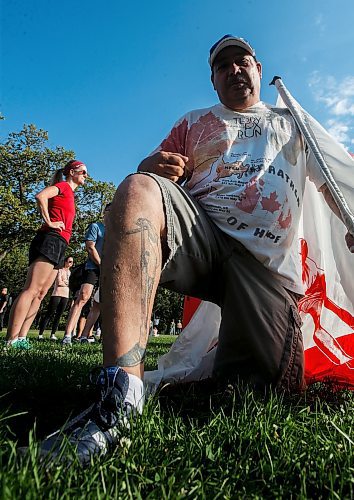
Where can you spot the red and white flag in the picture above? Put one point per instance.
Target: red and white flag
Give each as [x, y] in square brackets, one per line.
[327, 308]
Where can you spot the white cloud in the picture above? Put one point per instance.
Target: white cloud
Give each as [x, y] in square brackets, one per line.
[338, 98]
[338, 130]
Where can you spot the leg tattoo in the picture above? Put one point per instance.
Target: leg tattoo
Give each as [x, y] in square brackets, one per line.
[133, 357]
[150, 259]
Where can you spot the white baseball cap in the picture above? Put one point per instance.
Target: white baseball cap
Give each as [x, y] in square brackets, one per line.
[227, 41]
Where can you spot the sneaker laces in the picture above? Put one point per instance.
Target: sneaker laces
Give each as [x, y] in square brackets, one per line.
[111, 407]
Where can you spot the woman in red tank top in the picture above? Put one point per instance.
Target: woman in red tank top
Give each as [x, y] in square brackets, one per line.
[47, 250]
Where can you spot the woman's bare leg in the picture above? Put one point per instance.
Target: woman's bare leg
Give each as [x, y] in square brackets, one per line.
[36, 303]
[39, 272]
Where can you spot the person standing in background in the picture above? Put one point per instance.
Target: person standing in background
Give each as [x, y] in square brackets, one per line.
[47, 250]
[58, 300]
[4, 300]
[173, 327]
[179, 327]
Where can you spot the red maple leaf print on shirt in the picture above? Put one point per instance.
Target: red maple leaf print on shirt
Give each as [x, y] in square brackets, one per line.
[248, 200]
[208, 134]
[284, 221]
[207, 141]
[270, 204]
[175, 141]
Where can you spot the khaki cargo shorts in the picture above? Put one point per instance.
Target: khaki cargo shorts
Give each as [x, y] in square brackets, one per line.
[260, 339]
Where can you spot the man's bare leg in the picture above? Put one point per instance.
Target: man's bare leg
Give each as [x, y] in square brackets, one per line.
[91, 320]
[130, 271]
[74, 314]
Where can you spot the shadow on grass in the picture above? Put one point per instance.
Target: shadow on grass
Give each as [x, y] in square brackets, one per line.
[47, 387]
[197, 400]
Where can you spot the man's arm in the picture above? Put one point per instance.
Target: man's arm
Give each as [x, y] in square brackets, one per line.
[92, 252]
[349, 238]
[165, 164]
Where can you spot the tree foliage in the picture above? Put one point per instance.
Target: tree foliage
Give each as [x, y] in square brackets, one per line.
[168, 306]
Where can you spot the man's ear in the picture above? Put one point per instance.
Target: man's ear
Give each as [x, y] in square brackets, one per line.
[212, 79]
[259, 67]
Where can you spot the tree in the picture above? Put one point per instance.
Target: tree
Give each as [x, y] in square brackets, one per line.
[168, 306]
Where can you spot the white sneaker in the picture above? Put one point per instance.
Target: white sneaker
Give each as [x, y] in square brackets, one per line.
[66, 340]
[40, 337]
[99, 428]
[53, 337]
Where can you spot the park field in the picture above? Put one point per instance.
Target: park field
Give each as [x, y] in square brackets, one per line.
[195, 441]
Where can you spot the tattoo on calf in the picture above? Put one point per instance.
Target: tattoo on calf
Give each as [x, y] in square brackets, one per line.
[133, 357]
[150, 260]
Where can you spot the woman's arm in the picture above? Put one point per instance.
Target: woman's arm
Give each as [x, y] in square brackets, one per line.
[42, 201]
[62, 278]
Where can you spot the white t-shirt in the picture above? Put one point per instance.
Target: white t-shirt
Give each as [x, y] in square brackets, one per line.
[248, 170]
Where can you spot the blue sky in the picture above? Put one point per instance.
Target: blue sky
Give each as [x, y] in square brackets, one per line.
[108, 79]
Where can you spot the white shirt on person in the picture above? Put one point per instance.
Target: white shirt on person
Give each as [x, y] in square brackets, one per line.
[248, 171]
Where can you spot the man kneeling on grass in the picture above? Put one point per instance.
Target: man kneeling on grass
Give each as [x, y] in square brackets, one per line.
[214, 238]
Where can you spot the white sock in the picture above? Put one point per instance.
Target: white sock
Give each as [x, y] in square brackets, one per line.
[135, 394]
[13, 341]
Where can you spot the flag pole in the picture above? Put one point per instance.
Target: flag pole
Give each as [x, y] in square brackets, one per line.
[300, 120]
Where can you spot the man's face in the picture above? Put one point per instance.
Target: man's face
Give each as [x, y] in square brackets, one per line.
[4, 291]
[236, 77]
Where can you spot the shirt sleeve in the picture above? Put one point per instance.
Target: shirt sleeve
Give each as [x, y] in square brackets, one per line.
[313, 169]
[62, 186]
[92, 233]
[175, 142]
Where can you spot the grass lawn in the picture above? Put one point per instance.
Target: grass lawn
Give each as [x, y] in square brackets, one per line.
[195, 441]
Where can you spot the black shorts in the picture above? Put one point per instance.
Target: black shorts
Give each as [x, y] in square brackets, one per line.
[49, 245]
[91, 276]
